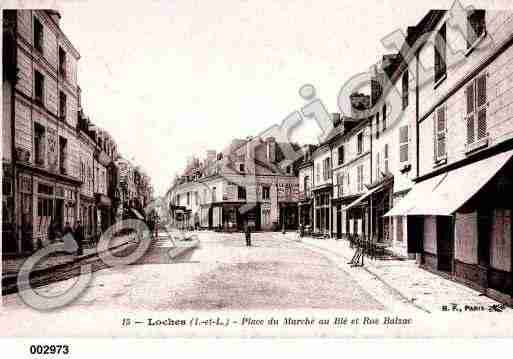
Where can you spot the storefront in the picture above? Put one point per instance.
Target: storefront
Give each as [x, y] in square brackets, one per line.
[462, 232]
[322, 205]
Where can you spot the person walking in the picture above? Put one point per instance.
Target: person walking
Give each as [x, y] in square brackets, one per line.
[248, 236]
[78, 234]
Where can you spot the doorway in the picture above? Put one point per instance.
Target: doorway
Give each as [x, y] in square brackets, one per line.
[445, 243]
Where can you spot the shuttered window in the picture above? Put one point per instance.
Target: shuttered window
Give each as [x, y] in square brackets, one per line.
[403, 143]
[385, 156]
[476, 110]
[440, 126]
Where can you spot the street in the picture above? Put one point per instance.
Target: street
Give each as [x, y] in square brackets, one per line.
[222, 274]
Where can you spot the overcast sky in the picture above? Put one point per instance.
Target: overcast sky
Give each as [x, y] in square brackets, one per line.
[173, 78]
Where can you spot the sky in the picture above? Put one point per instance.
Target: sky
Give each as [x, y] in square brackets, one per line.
[171, 79]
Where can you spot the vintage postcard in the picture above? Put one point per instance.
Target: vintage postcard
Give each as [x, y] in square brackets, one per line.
[256, 169]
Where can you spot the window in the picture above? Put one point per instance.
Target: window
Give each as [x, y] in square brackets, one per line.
[39, 87]
[476, 110]
[288, 170]
[378, 166]
[340, 184]
[359, 145]
[196, 198]
[62, 107]
[403, 143]
[39, 144]
[359, 178]
[341, 155]
[177, 199]
[440, 126]
[306, 184]
[62, 62]
[266, 192]
[63, 153]
[241, 167]
[38, 35]
[405, 86]
[205, 199]
[384, 117]
[326, 169]
[188, 198]
[476, 26]
[385, 157]
[241, 192]
[214, 199]
[377, 125]
[318, 172]
[440, 54]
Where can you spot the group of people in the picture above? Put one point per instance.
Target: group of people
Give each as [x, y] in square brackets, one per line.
[54, 233]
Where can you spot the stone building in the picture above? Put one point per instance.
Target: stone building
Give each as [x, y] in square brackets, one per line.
[55, 161]
[242, 185]
[41, 178]
[460, 202]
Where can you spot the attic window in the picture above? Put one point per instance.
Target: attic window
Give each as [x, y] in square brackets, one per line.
[241, 167]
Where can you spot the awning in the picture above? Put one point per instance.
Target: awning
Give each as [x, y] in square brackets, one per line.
[137, 213]
[444, 194]
[363, 197]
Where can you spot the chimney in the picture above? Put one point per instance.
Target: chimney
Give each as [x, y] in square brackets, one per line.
[359, 102]
[335, 117]
[271, 149]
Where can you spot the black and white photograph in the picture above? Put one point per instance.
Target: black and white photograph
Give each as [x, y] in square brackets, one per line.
[239, 168]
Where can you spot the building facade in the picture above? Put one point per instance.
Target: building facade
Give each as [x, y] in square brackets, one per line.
[55, 161]
[240, 186]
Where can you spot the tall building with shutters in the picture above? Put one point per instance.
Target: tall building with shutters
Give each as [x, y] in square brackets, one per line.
[460, 206]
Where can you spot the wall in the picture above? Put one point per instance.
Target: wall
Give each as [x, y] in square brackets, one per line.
[6, 121]
[499, 26]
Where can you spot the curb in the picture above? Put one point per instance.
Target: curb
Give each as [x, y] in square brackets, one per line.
[390, 287]
[41, 271]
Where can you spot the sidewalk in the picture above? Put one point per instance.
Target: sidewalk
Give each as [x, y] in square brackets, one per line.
[11, 266]
[422, 288]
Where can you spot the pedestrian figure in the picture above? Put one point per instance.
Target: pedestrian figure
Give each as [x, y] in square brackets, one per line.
[78, 234]
[67, 229]
[248, 236]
